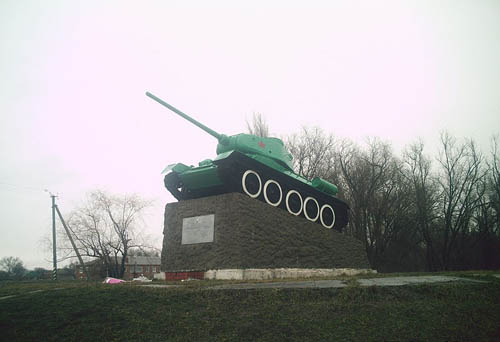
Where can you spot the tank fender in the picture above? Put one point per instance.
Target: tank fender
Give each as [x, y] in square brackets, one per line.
[206, 162]
[324, 186]
[176, 167]
[223, 155]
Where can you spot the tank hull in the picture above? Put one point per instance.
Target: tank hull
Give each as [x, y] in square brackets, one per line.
[238, 172]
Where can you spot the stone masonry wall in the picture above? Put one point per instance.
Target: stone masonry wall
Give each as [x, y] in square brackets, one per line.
[252, 234]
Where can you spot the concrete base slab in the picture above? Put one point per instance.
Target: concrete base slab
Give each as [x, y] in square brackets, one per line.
[282, 273]
[400, 281]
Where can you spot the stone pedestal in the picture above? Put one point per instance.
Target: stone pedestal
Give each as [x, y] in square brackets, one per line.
[249, 234]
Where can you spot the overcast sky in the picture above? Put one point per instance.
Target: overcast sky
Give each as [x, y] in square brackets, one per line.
[73, 75]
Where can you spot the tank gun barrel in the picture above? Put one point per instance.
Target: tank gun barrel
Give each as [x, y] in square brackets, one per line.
[187, 117]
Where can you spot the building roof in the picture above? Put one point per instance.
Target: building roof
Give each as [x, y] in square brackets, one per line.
[143, 260]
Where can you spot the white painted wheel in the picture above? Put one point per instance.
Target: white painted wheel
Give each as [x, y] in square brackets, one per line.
[243, 183]
[326, 206]
[291, 192]
[313, 219]
[270, 181]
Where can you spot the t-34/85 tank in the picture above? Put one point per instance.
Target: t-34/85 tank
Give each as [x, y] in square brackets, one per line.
[260, 168]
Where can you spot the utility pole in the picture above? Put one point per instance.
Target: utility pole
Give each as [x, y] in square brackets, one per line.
[55, 209]
[73, 243]
[54, 251]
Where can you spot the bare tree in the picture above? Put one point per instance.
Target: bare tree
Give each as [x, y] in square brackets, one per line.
[425, 198]
[313, 152]
[377, 194]
[106, 227]
[462, 186]
[440, 218]
[371, 181]
[258, 126]
[13, 266]
[494, 184]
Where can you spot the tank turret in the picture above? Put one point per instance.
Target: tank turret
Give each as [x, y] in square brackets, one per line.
[259, 167]
[272, 148]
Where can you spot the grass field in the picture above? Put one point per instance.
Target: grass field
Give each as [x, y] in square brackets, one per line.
[75, 311]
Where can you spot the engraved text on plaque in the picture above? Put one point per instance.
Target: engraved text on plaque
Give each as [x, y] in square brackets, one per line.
[198, 229]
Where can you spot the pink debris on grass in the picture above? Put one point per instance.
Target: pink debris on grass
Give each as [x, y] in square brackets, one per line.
[110, 280]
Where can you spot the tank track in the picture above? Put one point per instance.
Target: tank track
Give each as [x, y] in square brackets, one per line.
[232, 170]
[243, 174]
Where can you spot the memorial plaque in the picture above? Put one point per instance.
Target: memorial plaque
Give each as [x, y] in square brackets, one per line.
[198, 229]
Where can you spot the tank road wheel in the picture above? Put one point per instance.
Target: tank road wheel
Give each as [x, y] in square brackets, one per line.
[251, 183]
[327, 216]
[294, 202]
[273, 193]
[311, 209]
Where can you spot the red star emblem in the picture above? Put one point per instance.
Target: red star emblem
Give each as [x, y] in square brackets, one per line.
[261, 144]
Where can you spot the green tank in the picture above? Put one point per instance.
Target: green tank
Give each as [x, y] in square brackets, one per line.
[260, 168]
